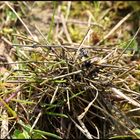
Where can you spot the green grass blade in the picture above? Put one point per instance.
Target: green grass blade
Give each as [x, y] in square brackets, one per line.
[23, 101]
[8, 108]
[52, 21]
[27, 127]
[57, 114]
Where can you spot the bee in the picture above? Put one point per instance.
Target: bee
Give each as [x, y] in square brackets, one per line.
[83, 53]
[84, 56]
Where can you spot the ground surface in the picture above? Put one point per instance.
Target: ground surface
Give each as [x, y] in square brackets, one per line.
[69, 70]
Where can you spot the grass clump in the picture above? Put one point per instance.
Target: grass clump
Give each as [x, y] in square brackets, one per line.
[74, 82]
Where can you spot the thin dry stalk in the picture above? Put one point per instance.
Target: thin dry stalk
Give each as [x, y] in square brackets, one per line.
[118, 92]
[61, 76]
[53, 97]
[68, 99]
[89, 25]
[112, 117]
[80, 46]
[75, 21]
[128, 45]
[68, 131]
[130, 91]
[42, 34]
[115, 28]
[35, 122]
[57, 23]
[6, 41]
[88, 135]
[129, 70]
[68, 11]
[65, 29]
[4, 125]
[7, 3]
[80, 117]
[97, 130]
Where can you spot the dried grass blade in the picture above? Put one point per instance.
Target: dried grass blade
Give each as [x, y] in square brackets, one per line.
[118, 92]
[89, 105]
[4, 125]
[115, 27]
[7, 3]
